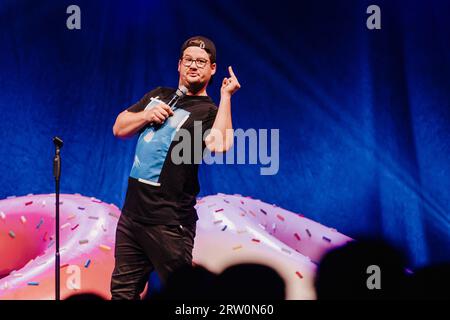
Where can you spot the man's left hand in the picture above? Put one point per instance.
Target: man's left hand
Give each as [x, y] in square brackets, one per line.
[230, 85]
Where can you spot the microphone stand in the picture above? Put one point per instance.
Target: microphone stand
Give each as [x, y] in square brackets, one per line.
[57, 173]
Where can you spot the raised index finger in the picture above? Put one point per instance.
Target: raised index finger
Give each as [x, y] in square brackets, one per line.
[230, 70]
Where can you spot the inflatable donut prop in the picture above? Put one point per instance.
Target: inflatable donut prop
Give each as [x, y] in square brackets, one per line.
[27, 246]
[231, 229]
[234, 229]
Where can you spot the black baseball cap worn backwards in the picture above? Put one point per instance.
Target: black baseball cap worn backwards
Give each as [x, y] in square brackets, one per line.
[203, 43]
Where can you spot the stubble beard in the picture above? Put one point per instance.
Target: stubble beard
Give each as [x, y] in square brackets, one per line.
[195, 87]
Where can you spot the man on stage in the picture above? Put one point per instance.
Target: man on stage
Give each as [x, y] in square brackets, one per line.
[157, 227]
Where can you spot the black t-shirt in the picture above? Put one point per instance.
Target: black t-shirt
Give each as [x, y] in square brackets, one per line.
[161, 191]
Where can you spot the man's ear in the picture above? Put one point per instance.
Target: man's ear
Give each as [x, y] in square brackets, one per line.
[179, 64]
[213, 68]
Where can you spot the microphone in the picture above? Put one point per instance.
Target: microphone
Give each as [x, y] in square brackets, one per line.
[58, 142]
[180, 93]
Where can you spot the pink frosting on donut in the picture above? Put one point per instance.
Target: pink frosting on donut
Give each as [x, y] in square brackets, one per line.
[231, 229]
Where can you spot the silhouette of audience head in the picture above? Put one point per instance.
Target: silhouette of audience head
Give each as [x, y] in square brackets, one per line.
[366, 269]
[250, 282]
[192, 283]
[238, 282]
[84, 297]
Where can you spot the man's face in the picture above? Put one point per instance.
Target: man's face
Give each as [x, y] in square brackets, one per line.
[199, 72]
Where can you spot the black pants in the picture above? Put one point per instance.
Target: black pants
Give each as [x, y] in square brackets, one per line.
[143, 248]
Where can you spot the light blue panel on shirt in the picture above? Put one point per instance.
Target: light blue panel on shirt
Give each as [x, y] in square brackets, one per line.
[153, 145]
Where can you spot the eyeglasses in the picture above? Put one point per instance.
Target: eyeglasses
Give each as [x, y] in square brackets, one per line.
[187, 61]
